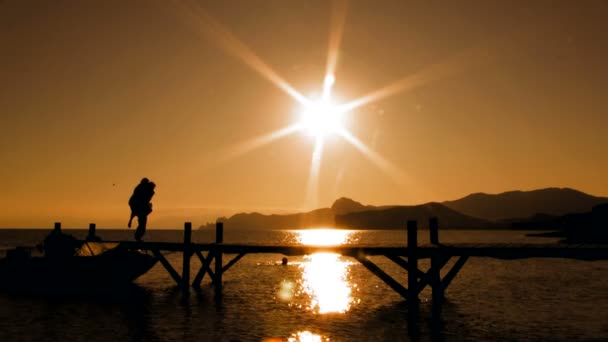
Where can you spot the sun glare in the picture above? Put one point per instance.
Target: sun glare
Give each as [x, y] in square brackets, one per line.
[321, 119]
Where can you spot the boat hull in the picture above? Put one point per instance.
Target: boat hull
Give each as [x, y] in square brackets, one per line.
[110, 270]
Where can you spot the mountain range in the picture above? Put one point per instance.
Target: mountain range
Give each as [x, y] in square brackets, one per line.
[475, 211]
[523, 204]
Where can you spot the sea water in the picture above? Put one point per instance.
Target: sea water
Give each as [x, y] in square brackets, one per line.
[322, 297]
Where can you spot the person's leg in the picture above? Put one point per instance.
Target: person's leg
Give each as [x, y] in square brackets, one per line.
[144, 221]
[141, 226]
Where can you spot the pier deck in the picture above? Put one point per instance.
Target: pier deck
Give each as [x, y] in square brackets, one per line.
[405, 256]
[492, 250]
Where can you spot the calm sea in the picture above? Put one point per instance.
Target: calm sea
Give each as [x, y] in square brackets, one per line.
[323, 297]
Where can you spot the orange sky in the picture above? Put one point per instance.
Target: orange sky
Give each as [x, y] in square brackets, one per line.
[95, 95]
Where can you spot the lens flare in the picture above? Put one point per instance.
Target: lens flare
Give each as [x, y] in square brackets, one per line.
[286, 289]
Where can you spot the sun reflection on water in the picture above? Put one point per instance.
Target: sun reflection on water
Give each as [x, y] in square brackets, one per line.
[323, 237]
[306, 336]
[324, 279]
[325, 276]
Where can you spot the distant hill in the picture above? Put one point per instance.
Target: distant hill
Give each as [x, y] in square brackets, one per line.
[524, 204]
[324, 217]
[514, 209]
[396, 218]
[346, 213]
[317, 218]
[345, 205]
[589, 226]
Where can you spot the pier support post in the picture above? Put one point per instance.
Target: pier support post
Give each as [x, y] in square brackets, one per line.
[91, 237]
[412, 277]
[219, 238]
[434, 230]
[436, 287]
[187, 254]
[91, 234]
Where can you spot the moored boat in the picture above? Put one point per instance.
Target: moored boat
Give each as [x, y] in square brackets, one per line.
[106, 271]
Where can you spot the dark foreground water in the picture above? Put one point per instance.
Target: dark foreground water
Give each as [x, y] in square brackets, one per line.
[323, 298]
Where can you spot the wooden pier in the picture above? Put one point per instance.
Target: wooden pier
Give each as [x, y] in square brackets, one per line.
[405, 256]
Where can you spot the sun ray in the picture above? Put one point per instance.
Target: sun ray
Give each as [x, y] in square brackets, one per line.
[328, 83]
[257, 142]
[211, 28]
[214, 30]
[418, 79]
[393, 172]
[336, 29]
[312, 190]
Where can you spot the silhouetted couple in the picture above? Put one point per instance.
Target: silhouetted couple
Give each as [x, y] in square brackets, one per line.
[141, 206]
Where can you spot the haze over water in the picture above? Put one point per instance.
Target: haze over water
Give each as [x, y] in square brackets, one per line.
[326, 297]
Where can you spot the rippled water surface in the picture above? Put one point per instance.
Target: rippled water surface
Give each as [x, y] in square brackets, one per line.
[323, 297]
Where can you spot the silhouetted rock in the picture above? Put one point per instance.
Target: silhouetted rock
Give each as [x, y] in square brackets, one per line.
[316, 218]
[345, 205]
[576, 227]
[524, 204]
[538, 209]
[591, 227]
[323, 217]
[396, 218]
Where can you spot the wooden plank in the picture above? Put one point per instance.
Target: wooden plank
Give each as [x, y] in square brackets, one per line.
[201, 257]
[186, 254]
[205, 262]
[494, 250]
[434, 275]
[290, 250]
[453, 272]
[413, 305]
[435, 267]
[388, 280]
[232, 262]
[434, 230]
[89, 247]
[405, 265]
[162, 246]
[167, 265]
[217, 252]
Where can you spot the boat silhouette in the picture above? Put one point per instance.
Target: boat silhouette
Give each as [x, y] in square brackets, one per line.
[83, 272]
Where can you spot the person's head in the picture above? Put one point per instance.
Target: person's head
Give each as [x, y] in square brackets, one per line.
[145, 180]
[152, 185]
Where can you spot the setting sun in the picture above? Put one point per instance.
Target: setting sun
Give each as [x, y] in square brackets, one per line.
[321, 119]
